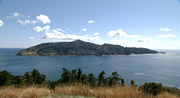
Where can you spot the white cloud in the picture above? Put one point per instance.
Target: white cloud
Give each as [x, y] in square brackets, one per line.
[43, 18]
[165, 29]
[31, 38]
[84, 29]
[67, 37]
[120, 33]
[41, 29]
[96, 34]
[165, 36]
[57, 32]
[59, 29]
[91, 21]
[24, 22]
[145, 40]
[15, 14]
[1, 23]
[34, 21]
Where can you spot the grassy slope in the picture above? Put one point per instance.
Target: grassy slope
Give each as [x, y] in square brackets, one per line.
[76, 91]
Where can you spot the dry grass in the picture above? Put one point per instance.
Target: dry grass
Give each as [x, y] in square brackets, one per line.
[167, 95]
[98, 92]
[108, 92]
[102, 92]
[24, 92]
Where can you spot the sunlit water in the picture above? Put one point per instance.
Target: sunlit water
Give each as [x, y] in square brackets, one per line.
[164, 68]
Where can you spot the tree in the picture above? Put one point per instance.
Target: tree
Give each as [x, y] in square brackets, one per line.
[122, 82]
[73, 76]
[79, 74]
[65, 76]
[37, 77]
[114, 79]
[84, 79]
[5, 78]
[101, 78]
[151, 88]
[92, 79]
[28, 78]
[132, 82]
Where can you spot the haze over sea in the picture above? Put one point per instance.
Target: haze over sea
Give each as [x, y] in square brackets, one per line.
[164, 68]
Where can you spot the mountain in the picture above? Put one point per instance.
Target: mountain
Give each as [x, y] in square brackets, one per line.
[80, 48]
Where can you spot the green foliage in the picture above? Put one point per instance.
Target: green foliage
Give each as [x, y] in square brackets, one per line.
[132, 83]
[37, 77]
[7, 79]
[92, 79]
[79, 74]
[151, 88]
[122, 82]
[52, 84]
[84, 79]
[73, 77]
[101, 78]
[114, 79]
[172, 90]
[28, 78]
[65, 76]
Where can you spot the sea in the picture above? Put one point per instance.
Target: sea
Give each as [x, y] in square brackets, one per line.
[160, 68]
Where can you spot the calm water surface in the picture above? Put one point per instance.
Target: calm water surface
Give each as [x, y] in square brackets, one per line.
[164, 68]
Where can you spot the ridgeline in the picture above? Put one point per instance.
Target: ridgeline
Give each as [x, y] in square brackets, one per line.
[81, 48]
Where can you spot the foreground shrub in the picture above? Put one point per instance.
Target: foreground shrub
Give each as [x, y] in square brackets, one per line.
[151, 88]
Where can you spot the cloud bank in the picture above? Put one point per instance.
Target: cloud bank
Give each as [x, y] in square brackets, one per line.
[57, 34]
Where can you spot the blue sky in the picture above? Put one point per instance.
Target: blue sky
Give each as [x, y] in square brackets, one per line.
[153, 24]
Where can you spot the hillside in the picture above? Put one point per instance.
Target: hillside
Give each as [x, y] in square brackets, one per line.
[81, 48]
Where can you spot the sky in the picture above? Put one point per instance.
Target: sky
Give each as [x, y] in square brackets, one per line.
[153, 24]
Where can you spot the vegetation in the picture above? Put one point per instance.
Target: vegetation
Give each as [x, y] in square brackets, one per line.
[79, 47]
[152, 88]
[74, 82]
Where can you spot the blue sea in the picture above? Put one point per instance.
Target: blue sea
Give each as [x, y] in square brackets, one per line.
[164, 68]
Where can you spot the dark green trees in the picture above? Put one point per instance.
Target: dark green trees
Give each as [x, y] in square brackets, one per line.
[101, 78]
[92, 80]
[132, 83]
[114, 79]
[68, 77]
[37, 78]
[151, 88]
[65, 76]
[7, 79]
[79, 74]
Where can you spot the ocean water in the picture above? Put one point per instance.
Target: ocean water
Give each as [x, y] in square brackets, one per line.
[164, 68]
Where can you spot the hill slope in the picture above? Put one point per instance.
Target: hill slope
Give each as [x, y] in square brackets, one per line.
[79, 47]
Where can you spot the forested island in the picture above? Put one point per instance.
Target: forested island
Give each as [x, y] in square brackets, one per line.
[81, 48]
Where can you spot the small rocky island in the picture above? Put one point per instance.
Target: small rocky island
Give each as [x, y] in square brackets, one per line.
[81, 48]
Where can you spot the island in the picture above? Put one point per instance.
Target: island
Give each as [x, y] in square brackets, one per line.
[81, 48]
